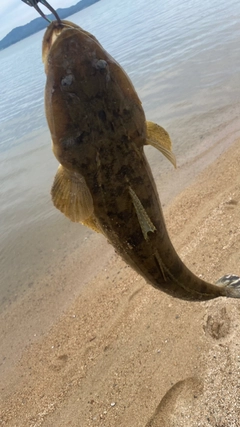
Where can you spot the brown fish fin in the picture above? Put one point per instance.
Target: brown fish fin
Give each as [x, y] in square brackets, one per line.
[159, 138]
[92, 223]
[143, 218]
[70, 194]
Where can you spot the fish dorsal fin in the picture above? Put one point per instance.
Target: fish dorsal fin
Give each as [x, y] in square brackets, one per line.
[159, 138]
[70, 194]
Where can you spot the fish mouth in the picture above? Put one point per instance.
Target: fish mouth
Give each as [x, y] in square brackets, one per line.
[50, 36]
[53, 31]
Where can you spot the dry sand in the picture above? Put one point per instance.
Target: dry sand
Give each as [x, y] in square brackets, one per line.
[125, 354]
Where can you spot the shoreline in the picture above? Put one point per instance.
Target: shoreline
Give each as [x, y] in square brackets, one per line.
[95, 354]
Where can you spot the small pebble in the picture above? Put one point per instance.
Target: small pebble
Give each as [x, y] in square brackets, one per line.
[113, 404]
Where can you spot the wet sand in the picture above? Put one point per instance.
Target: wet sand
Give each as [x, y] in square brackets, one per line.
[94, 345]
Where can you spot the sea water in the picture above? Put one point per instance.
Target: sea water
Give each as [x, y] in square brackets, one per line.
[184, 60]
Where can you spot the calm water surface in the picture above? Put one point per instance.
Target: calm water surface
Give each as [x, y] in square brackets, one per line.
[184, 60]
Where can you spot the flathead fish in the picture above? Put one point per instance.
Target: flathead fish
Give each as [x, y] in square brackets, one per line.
[104, 181]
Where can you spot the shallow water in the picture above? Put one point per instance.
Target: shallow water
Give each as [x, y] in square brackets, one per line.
[184, 60]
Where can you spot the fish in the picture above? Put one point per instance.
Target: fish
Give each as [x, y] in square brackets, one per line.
[99, 130]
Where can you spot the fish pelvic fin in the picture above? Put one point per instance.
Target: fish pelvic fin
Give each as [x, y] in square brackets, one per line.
[159, 138]
[143, 218]
[71, 195]
[92, 223]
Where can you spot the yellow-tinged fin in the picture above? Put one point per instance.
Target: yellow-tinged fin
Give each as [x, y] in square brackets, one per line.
[92, 223]
[159, 138]
[70, 194]
[143, 218]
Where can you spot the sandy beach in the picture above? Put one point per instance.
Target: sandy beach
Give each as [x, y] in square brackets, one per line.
[117, 352]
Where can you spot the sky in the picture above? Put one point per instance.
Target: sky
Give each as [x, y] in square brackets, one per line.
[14, 13]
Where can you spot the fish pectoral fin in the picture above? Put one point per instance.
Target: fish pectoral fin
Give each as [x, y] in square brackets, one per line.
[71, 195]
[143, 218]
[159, 138]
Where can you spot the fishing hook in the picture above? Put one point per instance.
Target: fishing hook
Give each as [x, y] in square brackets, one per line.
[34, 3]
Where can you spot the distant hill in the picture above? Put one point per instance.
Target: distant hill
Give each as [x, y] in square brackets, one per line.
[38, 24]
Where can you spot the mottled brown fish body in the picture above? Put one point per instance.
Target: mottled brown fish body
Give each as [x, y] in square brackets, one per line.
[98, 130]
[91, 99]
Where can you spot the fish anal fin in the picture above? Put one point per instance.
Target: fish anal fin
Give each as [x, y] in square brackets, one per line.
[158, 137]
[71, 195]
[160, 264]
[143, 218]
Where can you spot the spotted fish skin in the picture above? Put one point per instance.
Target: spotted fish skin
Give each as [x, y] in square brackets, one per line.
[98, 130]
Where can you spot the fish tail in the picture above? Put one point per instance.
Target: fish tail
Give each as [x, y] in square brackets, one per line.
[231, 285]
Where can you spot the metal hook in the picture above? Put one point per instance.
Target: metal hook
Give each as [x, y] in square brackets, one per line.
[34, 3]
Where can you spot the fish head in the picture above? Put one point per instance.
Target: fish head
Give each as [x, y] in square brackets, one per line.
[88, 96]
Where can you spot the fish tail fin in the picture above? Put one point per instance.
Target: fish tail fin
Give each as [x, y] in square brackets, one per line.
[231, 283]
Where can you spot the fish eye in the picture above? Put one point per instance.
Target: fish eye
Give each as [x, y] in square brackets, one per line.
[101, 64]
[67, 80]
